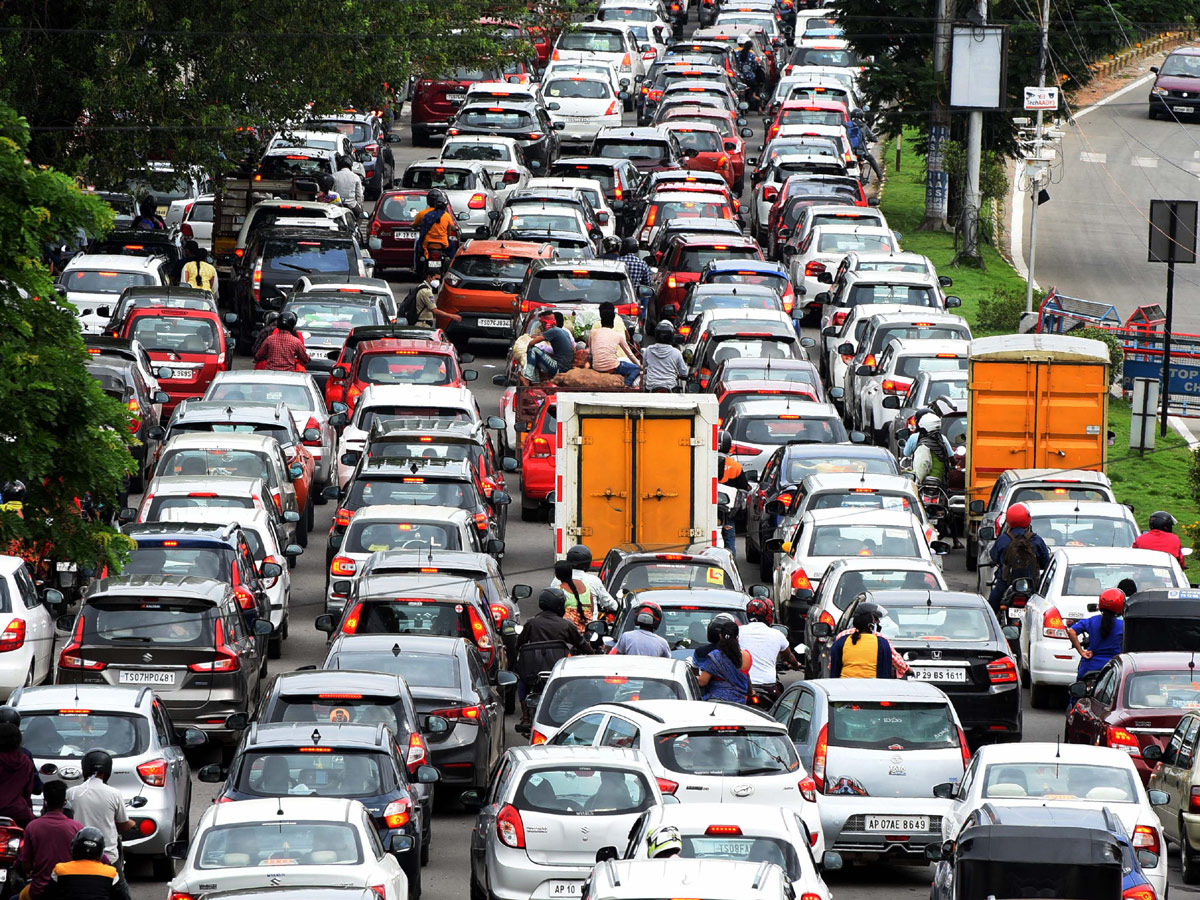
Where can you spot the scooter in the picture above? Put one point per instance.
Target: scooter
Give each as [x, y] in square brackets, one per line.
[1012, 608]
[10, 845]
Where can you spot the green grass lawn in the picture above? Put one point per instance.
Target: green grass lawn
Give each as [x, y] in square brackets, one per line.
[1157, 481]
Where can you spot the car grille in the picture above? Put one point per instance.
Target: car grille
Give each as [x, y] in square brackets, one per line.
[1184, 95]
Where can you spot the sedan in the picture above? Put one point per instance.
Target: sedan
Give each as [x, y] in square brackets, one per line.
[582, 106]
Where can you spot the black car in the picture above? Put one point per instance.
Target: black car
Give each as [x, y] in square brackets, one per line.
[447, 680]
[649, 148]
[275, 257]
[619, 179]
[122, 381]
[529, 125]
[371, 143]
[331, 759]
[951, 639]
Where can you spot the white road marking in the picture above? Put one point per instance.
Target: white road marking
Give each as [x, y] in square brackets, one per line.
[1093, 157]
[1145, 162]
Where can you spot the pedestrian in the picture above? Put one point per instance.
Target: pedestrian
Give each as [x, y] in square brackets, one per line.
[18, 776]
[862, 653]
[47, 841]
[644, 639]
[427, 309]
[283, 350]
[86, 876]
[663, 361]
[723, 666]
[606, 343]
[95, 804]
[198, 271]
[348, 185]
[554, 353]
[1161, 536]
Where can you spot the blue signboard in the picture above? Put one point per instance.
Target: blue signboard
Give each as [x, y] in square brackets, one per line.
[1184, 381]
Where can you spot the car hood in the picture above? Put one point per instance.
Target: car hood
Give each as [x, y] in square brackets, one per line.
[1178, 83]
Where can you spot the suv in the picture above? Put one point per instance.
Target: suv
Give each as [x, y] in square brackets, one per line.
[399, 361]
[529, 125]
[619, 178]
[590, 282]
[649, 149]
[684, 258]
[92, 282]
[480, 286]
[435, 100]
[899, 364]
[184, 636]
[61, 723]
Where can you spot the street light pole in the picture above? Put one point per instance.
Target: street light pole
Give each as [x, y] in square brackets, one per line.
[973, 199]
[1035, 184]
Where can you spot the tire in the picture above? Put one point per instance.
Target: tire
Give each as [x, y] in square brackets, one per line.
[1022, 672]
[1040, 697]
[301, 533]
[753, 553]
[1153, 114]
[310, 520]
[476, 892]
[530, 513]
[162, 868]
[1189, 862]
[972, 555]
[275, 645]
[766, 566]
[510, 701]
[428, 839]
[414, 879]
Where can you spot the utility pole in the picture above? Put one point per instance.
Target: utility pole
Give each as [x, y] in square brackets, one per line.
[937, 180]
[1035, 183]
[973, 199]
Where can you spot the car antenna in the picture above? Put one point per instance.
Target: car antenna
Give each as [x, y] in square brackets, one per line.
[396, 649]
[316, 737]
[279, 810]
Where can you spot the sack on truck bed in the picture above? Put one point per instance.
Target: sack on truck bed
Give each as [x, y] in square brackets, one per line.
[590, 380]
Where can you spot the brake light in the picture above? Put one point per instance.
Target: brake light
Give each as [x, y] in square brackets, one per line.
[1002, 670]
[500, 612]
[612, 109]
[343, 565]
[181, 895]
[351, 624]
[481, 521]
[1194, 800]
[536, 738]
[478, 201]
[653, 214]
[342, 517]
[154, 772]
[800, 581]
[827, 618]
[482, 639]
[820, 756]
[895, 386]
[13, 636]
[671, 282]
[398, 813]
[226, 661]
[540, 448]
[417, 752]
[1142, 892]
[808, 789]
[723, 830]
[667, 786]
[468, 713]
[1145, 837]
[1052, 624]
[1120, 739]
[625, 60]
[509, 827]
[68, 658]
[245, 599]
[744, 450]
[814, 268]
[870, 360]
[257, 281]
[965, 748]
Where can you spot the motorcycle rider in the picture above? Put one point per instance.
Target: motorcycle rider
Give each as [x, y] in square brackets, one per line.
[610, 248]
[862, 653]
[283, 351]
[1104, 631]
[639, 272]
[767, 647]
[580, 558]
[1161, 536]
[327, 194]
[665, 842]
[548, 625]
[750, 70]
[47, 841]
[729, 471]
[861, 137]
[643, 640]
[722, 665]
[899, 666]
[148, 218]
[348, 185]
[86, 876]
[436, 230]
[931, 460]
[581, 606]
[96, 804]
[663, 361]
[1017, 553]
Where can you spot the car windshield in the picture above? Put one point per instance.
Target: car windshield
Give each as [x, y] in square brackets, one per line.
[591, 41]
[799, 466]
[312, 772]
[1155, 690]
[426, 177]
[476, 150]
[1089, 580]
[579, 286]
[289, 165]
[101, 281]
[859, 581]
[682, 575]
[1083, 530]
[367, 416]
[175, 333]
[408, 491]
[657, 151]
[863, 540]
[275, 844]
[372, 537]
[891, 725]
[775, 430]
[417, 669]
[1059, 781]
[598, 791]
[358, 132]
[203, 562]
[1181, 65]
[406, 367]
[494, 117]
[733, 750]
[401, 207]
[183, 501]
[333, 315]
[489, 267]
[565, 697]
[575, 87]
[284, 258]
[902, 294]
[745, 848]
[296, 396]
[936, 623]
[861, 498]
[912, 366]
[1076, 492]
[337, 708]
[407, 616]
[152, 621]
[686, 626]
[70, 733]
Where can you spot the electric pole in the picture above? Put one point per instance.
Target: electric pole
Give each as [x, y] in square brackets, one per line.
[937, 180]
[972, 199]
[1035, 182]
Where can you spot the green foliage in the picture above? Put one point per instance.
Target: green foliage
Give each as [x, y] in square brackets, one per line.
[1000, 312]
[1116, 351]
[62, 435]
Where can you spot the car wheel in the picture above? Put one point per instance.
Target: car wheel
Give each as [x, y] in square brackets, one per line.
[413, 871]
[301, 534]
[425, 842]
[1189, 865]
[1153, 114]
[1040, 697]
[766, 566]
[162, 868]
[477, 893]
[972, 555]
[753, 552]
[510, 700]
[529, 513]
[275, 645]
[310, 520]
[30, 676]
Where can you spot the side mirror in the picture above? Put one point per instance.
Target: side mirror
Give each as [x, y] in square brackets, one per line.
[606, 853]
[230, 318]
[262, 627]
[987, 533]
[127, 514]
[1153, 753]
[291, 551]
[339, 420]
[297, 470]
[822, 630]
[325, 623]
[829, 331]
[472, 800]
[509, 464]
[774, 508]
[947, 790]
[872, 201]
[501, 498]
[291, 516]
[865, 370]
[237, 721]
[836, 393]
[891, 401]
[845, 348]
[161, 397]
[933, 852]
[645, 292]
[691, 387]
[494, 547]
[510, 287]
[558, 126]
[945, 281]
[977, 507]
[831, 861]
[505, 678]
[349, 458]
[270, 570]
[399, 844]
[823, 297]
[161, 371]
[211, 774]
[427, 775]
[470, 375]
[941, 548]
[807, 343]
[1079, 690]
[177, 850]
[553, 104]
[331, 492]
[64, 623]
[774, 545]
[311, 434]
[393, 138]
[747, 132]
[596, 629]
[435, 725]
[192, 737]
[338, 406]
[858, 437]
[338, 372]
[952, 302]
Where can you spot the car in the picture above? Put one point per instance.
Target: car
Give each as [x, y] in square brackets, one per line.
[817, 111]
[619, 179]
[612, 42]
[771, 188]
[563, 282]
[171, 201]
[314, 842]
[591, 189]
[61, 723]
[197, 224]
[323, 320]
[303, 398]
[503, 157]
[686, 614]
[1063, 595]
[582, 106]
[666, 204]
[391, 236]
[1136, 702]
[437, 96]
[875, 750]
[529, 125]
[92, 282]
[752, 272]
[1173, 93]
[26, 627]
[467, 184]
[649, 149]
[1047, 774]
[848, 326]
[952, 640]
[1066, 523]
[908, 289]
[104, 348]
[372, 146]
[1175, 777]
[551, 193]
[899, 364]
[825, 246]
[630, 568]
[282, 162]
[800, 372]
[768, 416]
[564, 228]
[733, 135]
[766, 336]
[824, 535]
[335, 385]
[123, 382]
[683, 259]
[812, 215]
[447, 681]
[313, 214]
[922, 393]
[182, 635]
[361, 762]
[709, 879]
[670, 71]
[704, 146]
[706, 303]
[230, 492]
[717, 227]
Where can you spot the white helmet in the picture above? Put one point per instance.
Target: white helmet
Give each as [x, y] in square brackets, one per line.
[929, 422]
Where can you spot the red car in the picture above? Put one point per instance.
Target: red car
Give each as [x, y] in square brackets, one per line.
[391, 235]
[335, 388]
[436, 100]
[763, 390]
[809, 112]
[727, 123]
[537, 463]
[835, 186]
[192, 343]
[1136, 703]
[402, 361]
[682, 261]
[703, 144]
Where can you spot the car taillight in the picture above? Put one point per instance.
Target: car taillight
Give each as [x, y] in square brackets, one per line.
[183, 895]
[744, 450]
[808, 789]
[153, 773]
[500, 612]
[820, 756]
[462, 713]
[625, 60]
[477, 201]
[537, 738]
[1145, 837]
[418, 753]
[509, 827]
[1052, 624]
[1141, 892]
[186, 230]
[965, 748]
[540, 448]
[68, 658]
[1002, 670]
[1194, 800]
[482, 639]
[343, 565]
[342, 517]
[398, 813]
[800, 581]
[612, 109]
[814, 268]
[827, 618]
[651, 216]
[351, 624]
[481, 521]
[226, 661]
[135, 415]
[1017, 601]
[257, 281]
[1120, 739]
[380, 891]
[895, 386]
[13, 636]
[667, 786]
[839, 318]
[375, 228]
[244, 597]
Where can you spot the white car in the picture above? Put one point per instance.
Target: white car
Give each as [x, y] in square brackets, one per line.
[1068, 592]
[290, 843]
[502, 92]
[812, 82]
[467, 184]
[26, 629]
[899, 365]
[760, 424]
[293, 212]
[614, 43]
[92, 283]
[826, 535]
[197, 222]
[835, 133]
[583, 105]
[750, 833]
[1060, 775]
[846, 325]
[725, 314]
[589, 68]
[825, 246]
[705, 879]
[854, 289]
[706, 752]
[501, 156]
[334, 141]
[592, 189]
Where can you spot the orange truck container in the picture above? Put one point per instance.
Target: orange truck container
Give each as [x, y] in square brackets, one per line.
[1034, 401]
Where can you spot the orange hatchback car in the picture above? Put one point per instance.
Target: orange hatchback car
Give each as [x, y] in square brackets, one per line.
[482, 286]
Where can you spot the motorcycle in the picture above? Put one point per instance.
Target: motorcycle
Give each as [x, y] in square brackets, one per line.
[10, 845]
[1012, 607]
[935, 500]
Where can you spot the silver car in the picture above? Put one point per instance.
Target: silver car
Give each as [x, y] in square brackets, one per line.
[876, 749]
[549, 810]
[468, 186]
[60, 723]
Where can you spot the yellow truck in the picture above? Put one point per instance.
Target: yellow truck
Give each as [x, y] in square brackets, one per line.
[635, 468]
[1035, 401]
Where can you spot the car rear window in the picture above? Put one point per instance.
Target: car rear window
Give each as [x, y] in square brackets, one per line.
[579, 286]
[273, 215]
[294, 257]
[599, 791]
[401, 207]
[775, 430]
[686, 626]
[1059, 781]
[656, 151]
[567, 696]
[936, 623]
[1082, 530]
[812, 117]
[203, 461]
[375, 536]
[281, 433]
[852, 243]
[1090, 580]
[477, 117]
[1074, 492]
[801, 92]
[406, 367]
[761, 373]
[591, 41]
[799, 466]
[771, 347]
[174, 333]
[602, 174]
[744, 848]
[488, 266]
[304, 843]
[735, 301]
[887, 333]
[334, 315]
[860, 498]
[810, 56]
[427, 177]
[289, 165]
[417, 669]
[183, 501]
[891, 725]
[536, 220]
[296, 396]
[733, 750]
[161, 622]
[104, 281]
[314, 772]
[702, 141]
[912, 366]
[859, 581]
[338, 708]
[368, 416]
[475, 150]
[697, 259]
[684, 574]
[447, 618]
[70, 733]
[1159, 690]
[862, 294]
[692, 209]
[201, 212]
[863, 540]
[578, 88]
[415, 447]
[777, 282]
[415, 491]
[203, 562]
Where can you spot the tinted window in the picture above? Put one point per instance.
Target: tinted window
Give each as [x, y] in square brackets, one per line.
[798, 467]
[863, 540]
[377, 492]
[431, 177]
[695, 260]
[745, 373]
[332, 315]
[472, 150]
[604, 175]
[157, 622]
[887, 333]
[367, 416]
[385, 449]
[1162, 690]
[104, 282]
[313, 772]
[291, 258]
[693, 209]
[175, 334]
[417, 669]
[203, 562]
[214, 462]
[735, 301]
[358, 132]
[647, 150]
[584, 791]
[778, 283]
[567, 696]
[1050, 492]
[71, 733]
[776, 430]
[404, 616]
[340, 708]
[726, 750]
[812, 117]
[685, 575]
[289, 165]
[891, 725]
[859, 498]
[283, 844]
[885, 293]
[488, 266]
[375, 536]
[954, 623]
[591, 42]
[201, 212]
[1063, 781]
[912, 366]
[1090, 580]
[701, 141]
[849, 243]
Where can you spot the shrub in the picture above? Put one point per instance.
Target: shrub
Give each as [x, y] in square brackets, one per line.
[1116, 352]
[1001, 312]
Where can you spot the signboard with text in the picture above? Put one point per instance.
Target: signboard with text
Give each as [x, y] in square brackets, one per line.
[1041, 98]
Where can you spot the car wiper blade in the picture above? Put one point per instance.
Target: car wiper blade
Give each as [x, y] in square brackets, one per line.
[297, 268]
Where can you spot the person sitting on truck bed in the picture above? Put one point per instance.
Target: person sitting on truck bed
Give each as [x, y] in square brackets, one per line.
[606, 341]
[554, 353]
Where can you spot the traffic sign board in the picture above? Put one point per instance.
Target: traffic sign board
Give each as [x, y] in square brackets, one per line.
[1041, 98]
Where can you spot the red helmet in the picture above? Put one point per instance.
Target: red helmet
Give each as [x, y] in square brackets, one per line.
[1113, 601]
[1018, 516]
[648, 615]
[760, 609]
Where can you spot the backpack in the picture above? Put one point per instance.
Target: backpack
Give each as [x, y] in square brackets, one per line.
[406, 310]
[1020, 559]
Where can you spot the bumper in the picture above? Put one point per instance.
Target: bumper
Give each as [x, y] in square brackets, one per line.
[462, 757]
[1053, 661]
[994, 712]
[1184, 107]
[484, 325]
[513, 876]
[844, 820]
[536, 489]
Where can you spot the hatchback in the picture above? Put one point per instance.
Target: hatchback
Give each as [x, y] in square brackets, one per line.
[391, 235]
[480, 285]
[27, 629]
[467, 184]
[1174, 95]
[193, 343]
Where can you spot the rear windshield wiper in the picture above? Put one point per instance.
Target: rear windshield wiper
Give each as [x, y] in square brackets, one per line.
[297, 268]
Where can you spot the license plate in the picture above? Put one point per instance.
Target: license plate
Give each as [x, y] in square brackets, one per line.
[181, 373]
[565, 888]
[939, 673]
[1182, 109]
[453, 97]
[494, 323]
[140, 677]
[897, 824]
[1017, 614]
[404, 235]
[65, 567]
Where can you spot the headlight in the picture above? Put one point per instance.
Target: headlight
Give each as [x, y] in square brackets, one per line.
[1162, 92]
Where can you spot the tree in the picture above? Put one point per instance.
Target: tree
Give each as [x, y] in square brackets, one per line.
[61, 435]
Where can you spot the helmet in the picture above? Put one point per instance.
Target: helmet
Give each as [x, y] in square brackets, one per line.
[665, 840]
[1112, 601]
[88, 843]
[629, 246]
[876, 611]
[437, 199]
[97, 762]
[1162, 521]
[664, 332]
[288, 320]
[12, 490]
[744, 41]
[648, 615]
[858, 115]
[723, 626]
[610, 244]
[580, 557]
[929, 422]
[724, 441]
[9, 716]
[552, 600]
[1018, 516]
[760, 609]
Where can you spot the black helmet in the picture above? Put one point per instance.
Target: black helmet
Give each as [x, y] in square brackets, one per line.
[13, 490]
[580, 557]
[97, 762]
[88, 843]
[325, 180]
[610, 245]
[864, 619]
[9, 716]
[858, 115]
[552, 600]
[1162, 521]
[724, 441]
[722, 627]
[437, 199]
[876, 611]
[664, 332]
[287, 320]
[629, 246]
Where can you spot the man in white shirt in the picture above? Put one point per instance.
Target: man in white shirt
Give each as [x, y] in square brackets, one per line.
[766, 645]
[94, 803]
[580, 558]
[348, 185]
